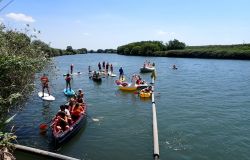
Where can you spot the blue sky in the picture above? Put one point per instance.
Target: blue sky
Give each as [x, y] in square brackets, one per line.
[95, 24]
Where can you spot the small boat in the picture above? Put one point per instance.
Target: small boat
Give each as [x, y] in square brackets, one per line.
[69, 92]
[145, 93]
[142, 85]
[147, 69]
[127, 86]
[96, 76]
[62, 136]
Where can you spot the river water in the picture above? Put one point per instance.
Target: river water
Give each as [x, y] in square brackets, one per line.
[203, 110]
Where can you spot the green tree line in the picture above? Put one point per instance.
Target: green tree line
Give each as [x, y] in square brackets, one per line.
[148, 48]
[175, 48]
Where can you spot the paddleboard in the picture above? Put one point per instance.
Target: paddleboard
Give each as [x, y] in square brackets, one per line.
[122, 79]
[111, 75]
[76, 73]
[69, 92]
[46, 97]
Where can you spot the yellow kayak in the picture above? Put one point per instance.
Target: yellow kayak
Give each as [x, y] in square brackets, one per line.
[144, 94]
[127, 87]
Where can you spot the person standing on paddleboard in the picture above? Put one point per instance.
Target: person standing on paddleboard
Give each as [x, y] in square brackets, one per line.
[45, 83]
[99, 66]
[121, 73]
[71, 68]
[111, 69]
[68, 79]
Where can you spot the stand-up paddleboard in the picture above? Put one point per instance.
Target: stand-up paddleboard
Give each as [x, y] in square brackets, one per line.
[46, 97]
[111, 74]
[69, 92]
[76, 73]
[122, 78]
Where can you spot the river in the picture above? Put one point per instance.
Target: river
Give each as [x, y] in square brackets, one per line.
[203, 110]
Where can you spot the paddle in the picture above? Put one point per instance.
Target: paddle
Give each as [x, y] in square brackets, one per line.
[44, 127]
[10, 119]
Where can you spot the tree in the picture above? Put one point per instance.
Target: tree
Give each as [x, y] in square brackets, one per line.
[175, 44]
[69, 49]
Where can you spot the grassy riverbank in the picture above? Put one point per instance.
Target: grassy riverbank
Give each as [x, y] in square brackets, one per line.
[176, 48]
[238, 51]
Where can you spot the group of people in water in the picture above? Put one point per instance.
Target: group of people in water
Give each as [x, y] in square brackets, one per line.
[69, 113]
[105, 67]
[148, 64]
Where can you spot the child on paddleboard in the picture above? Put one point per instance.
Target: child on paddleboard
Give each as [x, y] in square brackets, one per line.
[45, 83]
[68, 79]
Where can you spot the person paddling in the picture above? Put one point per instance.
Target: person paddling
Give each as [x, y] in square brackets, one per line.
[71, 68]
[45, 83]
[103, 65]
[99, 66]
[68, 79]
[111, 68]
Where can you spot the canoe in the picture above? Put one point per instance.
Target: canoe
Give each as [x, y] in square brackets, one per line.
[147, 69]
[69, 92]
[61, 137]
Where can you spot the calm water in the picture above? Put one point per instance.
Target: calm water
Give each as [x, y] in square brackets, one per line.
[203, 111]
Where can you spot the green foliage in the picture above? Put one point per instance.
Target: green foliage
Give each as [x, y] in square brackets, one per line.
[145, 48]
[20, 58]
[241, 51]
[6, 140]
[175, 44]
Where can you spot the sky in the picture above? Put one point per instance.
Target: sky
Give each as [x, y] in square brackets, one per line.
[103, 24]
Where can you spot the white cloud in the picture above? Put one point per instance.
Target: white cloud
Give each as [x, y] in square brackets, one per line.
[20, 17]
[161, 33]
[164, 33]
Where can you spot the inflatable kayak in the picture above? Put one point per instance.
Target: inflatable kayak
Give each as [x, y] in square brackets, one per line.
[69, 92]
[127, 87]
[147, 69]
[145, 94]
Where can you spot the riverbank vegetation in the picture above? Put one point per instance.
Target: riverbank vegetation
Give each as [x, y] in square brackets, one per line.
[179, 49]
[20, 57]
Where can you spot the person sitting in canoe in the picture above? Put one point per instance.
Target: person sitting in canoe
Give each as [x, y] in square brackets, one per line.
[72, 103]
[76, 112]
[61, 122]
[68, 79]
[45, 83]
[80, 93]
[63, 109]
[148, 89]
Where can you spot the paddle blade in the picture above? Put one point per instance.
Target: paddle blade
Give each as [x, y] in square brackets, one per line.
[43, 128]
